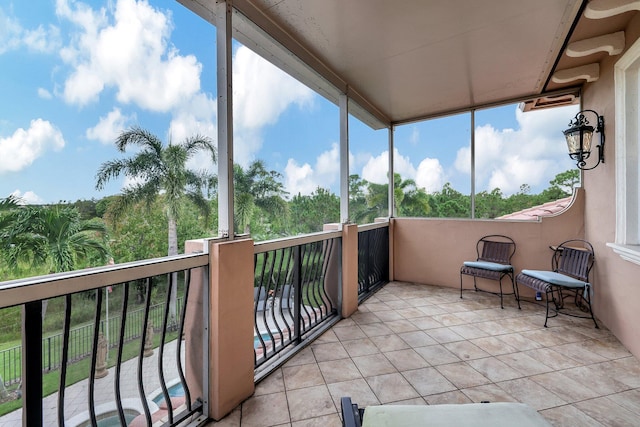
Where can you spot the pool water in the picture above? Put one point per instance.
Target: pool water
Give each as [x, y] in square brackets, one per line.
[114, 420]
[256, 340]
[176, 390]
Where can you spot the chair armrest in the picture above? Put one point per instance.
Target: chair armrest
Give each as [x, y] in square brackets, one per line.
[350, 413]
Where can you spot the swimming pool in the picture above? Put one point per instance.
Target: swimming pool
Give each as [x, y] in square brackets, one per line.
[256, 340]
[176, 390]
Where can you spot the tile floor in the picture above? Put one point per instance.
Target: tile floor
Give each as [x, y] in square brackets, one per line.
[419, 344]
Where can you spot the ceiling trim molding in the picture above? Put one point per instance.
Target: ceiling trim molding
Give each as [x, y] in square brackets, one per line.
[612, 43]
[589, 72]
[600, 9]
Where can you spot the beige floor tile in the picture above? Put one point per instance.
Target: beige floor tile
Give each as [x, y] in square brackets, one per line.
[406, 359]
[417, 338]
[563, 385]
[596, 379]
[524, 364]
[431, 310]
[462, 375]
[334, 371]
[444, 335]
[376, 329]
[552, 358]
[389, 343]
[302, 358]
[410, 312]
[447, 398]
[608, 412]
[436, 354]
[391, 388]
[302, 376]
[488, 393]
[349, 333]
[466, 350]
[468, 332]
[629, 400]
[547, 337]
[332, 420]
[264, 411]
[329, 351]
[426, 322]
[358, 390]
[329, 336]
[610, 349]
[579, 353]
[625, 370]
[360, 347]
[388, 316]
[310, 402]
[531, 393]
[428, 381]
[492, 327]
[414, 401]
[569, 416]
[494, 369]
[272, 384]
[376, 307]
[448, 319]
[363, 318]
[374, 364]
[519, 342]
[401, 325]
[493, 345]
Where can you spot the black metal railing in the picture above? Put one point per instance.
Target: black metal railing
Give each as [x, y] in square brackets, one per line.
[373, 258]
[296, 291]
[80, 338]
[138, 372]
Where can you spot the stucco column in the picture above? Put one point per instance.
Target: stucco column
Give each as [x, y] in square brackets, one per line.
[231, 361]
[349, 269]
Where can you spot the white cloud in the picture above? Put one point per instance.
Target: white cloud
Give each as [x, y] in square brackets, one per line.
[28, 197]
[13, 36]
[132, 55]
[304, 179]
[109, 127]
[20, 149]
[430, 175]
[44, 94]
[261, 93]
[532, 154]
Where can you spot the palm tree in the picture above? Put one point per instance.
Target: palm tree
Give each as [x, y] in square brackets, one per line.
[157, 169]
[57, 237]
[257, 187]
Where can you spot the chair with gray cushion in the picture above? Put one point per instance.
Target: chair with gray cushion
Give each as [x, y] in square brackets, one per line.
[493, 263]
[568, 278]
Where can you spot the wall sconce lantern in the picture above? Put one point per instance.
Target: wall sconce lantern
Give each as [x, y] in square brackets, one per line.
[579, 137]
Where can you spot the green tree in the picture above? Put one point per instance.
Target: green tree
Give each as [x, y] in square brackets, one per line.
[409, 200]
[257, 190]
[449, 203]
[157, 169]
[57, 237]
[310, 213]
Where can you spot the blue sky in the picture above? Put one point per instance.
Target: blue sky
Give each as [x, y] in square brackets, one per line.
[75, 74]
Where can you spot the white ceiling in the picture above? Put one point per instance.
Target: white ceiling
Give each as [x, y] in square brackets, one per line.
[404, 60]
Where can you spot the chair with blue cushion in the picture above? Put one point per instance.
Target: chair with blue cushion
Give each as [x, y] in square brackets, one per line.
[568, 278]
[493, 262]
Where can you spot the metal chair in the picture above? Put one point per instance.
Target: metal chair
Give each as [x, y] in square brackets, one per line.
[493, 262]
[571, 264]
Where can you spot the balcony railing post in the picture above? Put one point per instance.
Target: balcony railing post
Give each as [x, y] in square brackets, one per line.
[32, 364]
[349, 269]
[297, 287]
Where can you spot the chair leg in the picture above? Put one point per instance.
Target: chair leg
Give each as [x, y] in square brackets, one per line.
[460, 285]
[590, 310]
[501, 303]
[515, 289]
[548, 296]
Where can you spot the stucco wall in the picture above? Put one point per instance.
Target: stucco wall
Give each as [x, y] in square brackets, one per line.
[432, 251]
[617, 281]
